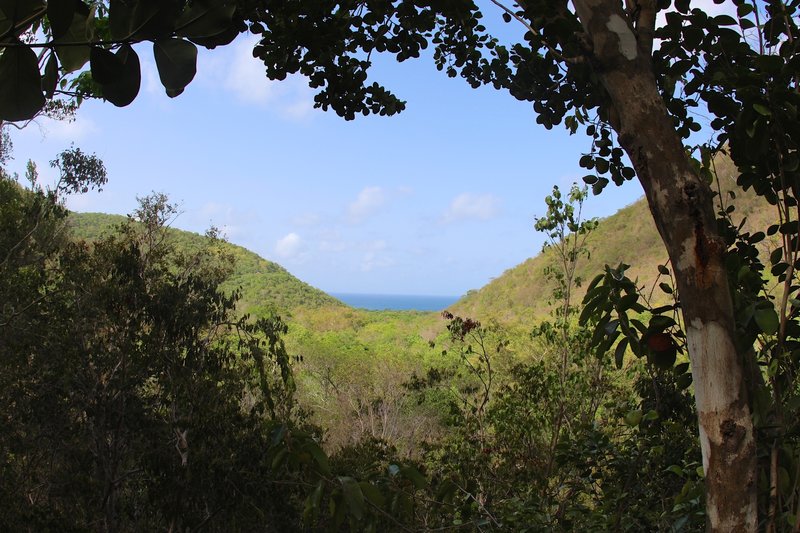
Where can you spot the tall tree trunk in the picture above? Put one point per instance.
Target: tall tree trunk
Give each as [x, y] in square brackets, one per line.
[682, 206]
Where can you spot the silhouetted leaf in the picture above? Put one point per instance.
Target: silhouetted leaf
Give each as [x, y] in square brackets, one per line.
[203, 21]
[106, 67]
[176, 60]
[73, 57]
[60, 14]
[50, 77]
[123, 90]
[20, 84]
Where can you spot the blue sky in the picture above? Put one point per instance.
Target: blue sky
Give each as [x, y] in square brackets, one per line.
[437, 200]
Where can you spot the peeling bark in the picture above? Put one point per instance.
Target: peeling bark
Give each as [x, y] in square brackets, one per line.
[682, 207]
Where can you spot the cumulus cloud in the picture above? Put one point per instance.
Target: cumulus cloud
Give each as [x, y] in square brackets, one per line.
[289, 246]
[369, 200]
[246, 77]
[238, 72]
[467, 206]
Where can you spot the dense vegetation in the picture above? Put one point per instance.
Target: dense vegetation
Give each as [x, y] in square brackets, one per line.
[560, 433]
[180, 398]
[263, 285]
[162, 400]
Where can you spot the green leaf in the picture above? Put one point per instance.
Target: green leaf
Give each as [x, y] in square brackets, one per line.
[312, 504]
[675, 469]
[353, 496]
[21, 94]
[683, 381]
[724, 20]
[17, 11]
[74, 57]
[203, 21]
[776, 256]
[319, 456]
[633, 418]
[414, 475]
[123, 89]
[106, 67]
[144, 19]
[60, 14]
[619, 353]
[660, 323]
[176, 60]
[372, 494]
[50, 77]
[767, 320]
[762, 110]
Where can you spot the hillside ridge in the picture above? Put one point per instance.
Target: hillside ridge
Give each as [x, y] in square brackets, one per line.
[264, 284]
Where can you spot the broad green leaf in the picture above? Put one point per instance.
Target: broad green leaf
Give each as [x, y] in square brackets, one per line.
[203, 20]
[106, 67]
[372, 494]
[651, 415]
[50, 76]
[312, 504]
[633, 418]
[123, 90]
[73, 57]
[60, 14]
[20, 84]
[414, 475]
[176, 60]
[661, 322]
[144, 19]
[761, 109]
[21, 12]
[619, 353]
[353, 496]
[767, 320]
[319, 456]
[280, 458]
[675, 469]
[683, 381]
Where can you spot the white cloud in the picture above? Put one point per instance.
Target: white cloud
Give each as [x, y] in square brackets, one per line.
[66, 130]
[368, 202]
[371, 260]
[289, 246]
[472, 206]
[235, 70]
[246, 76]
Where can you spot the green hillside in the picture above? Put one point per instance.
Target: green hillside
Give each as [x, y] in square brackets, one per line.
[264, 284]
[520, 294]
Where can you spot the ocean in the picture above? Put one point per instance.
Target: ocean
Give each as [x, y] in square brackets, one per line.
[396, 302]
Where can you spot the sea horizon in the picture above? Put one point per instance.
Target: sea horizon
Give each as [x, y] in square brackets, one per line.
[396, 302]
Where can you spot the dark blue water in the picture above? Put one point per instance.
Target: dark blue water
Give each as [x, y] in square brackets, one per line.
[396, 302]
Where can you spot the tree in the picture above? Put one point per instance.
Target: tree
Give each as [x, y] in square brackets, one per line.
[603, 65]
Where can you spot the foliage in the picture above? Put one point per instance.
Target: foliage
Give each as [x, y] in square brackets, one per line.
[263, 286]
[766, 337]
[131, 393]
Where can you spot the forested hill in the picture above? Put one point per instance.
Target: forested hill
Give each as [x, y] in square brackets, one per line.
[264, 284]
[521, 293]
